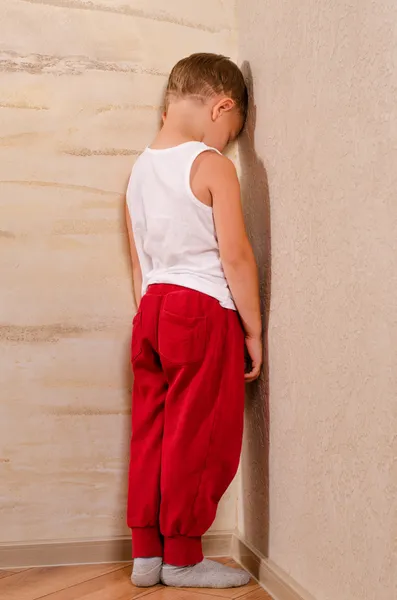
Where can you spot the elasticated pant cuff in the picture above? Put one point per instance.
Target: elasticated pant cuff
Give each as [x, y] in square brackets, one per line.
[181, 550]
[146, 542]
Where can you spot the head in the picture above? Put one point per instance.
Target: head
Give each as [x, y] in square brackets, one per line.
[212, 88]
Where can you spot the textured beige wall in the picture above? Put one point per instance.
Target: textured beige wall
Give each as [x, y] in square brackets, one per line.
[325, 83]
[80, 85]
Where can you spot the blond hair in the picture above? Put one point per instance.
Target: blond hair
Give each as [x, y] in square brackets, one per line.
[204, 75]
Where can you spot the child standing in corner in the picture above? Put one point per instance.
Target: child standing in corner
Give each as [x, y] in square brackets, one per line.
[196, 287]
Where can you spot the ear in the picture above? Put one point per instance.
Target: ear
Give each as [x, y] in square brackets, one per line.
[222, 106]
[163, 117]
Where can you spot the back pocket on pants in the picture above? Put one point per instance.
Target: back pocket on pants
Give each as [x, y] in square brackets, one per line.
[182, 340]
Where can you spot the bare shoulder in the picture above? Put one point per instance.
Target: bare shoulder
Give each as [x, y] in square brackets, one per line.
[218, 163]
[212, 176]
[216, 168]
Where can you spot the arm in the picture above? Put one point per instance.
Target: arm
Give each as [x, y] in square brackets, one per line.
[235, 251]
[136, 267]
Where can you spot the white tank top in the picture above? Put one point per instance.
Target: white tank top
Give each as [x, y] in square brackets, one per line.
[174, 232]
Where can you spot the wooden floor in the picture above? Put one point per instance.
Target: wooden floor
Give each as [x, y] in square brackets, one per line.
[104, 582]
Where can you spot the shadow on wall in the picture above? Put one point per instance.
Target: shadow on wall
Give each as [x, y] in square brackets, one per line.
[255, 457]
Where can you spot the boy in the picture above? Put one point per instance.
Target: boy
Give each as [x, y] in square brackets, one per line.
[196, 288]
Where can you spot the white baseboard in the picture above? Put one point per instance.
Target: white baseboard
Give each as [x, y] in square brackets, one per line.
[278, 584]
[75, 552]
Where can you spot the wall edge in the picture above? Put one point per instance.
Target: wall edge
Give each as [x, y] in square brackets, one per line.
[272, 578]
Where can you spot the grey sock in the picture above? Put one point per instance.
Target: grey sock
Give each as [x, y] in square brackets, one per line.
[146, 571]
[207, 573]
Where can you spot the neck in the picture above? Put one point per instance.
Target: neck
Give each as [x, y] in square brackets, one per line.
[183, 123]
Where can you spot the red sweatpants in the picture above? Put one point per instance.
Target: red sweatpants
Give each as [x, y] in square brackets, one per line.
[187, 419]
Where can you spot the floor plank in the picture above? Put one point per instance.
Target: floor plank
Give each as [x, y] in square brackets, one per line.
[258, 594]
[107, 582]
[35, 583]
[168, 593]
[190, 594]
[8, 572]
[112, 586]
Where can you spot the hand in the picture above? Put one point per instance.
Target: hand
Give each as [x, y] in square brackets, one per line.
[255, 351]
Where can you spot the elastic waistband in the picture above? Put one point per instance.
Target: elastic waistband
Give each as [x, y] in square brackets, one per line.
[160, 289]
